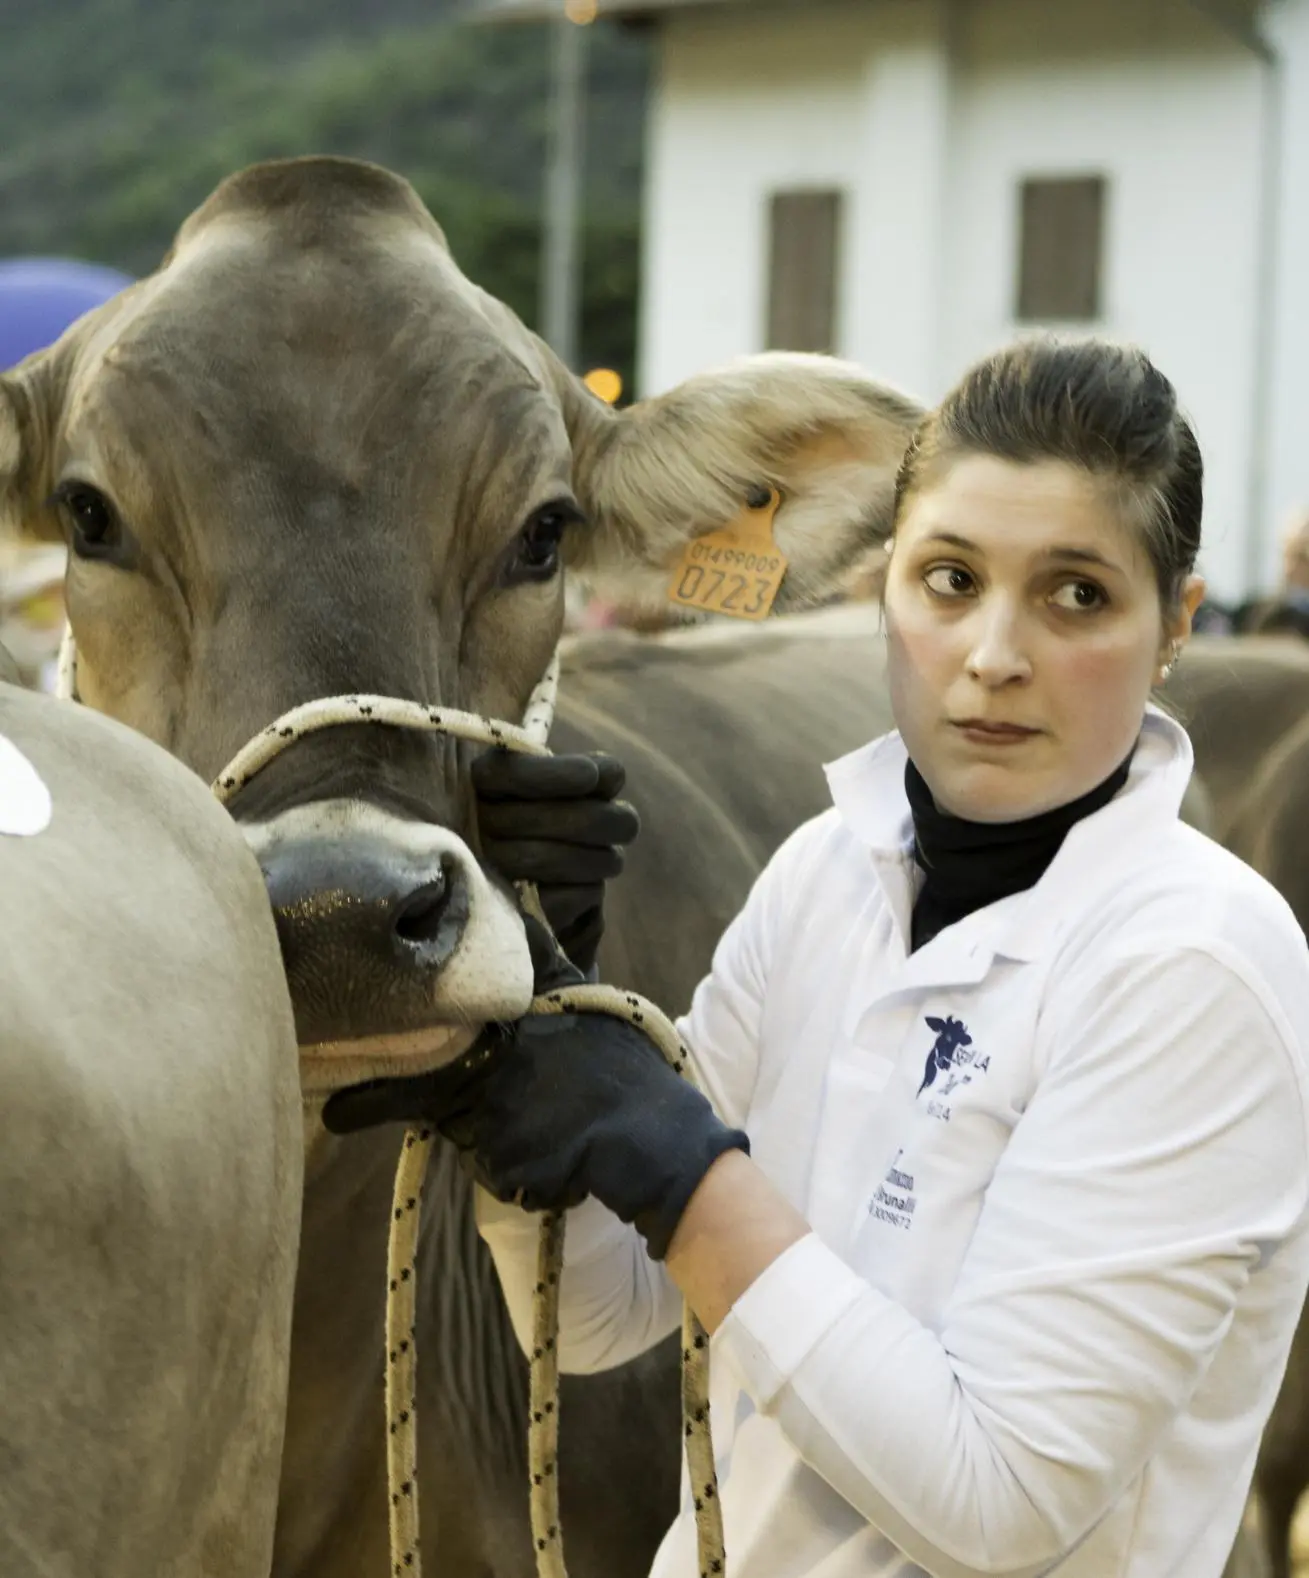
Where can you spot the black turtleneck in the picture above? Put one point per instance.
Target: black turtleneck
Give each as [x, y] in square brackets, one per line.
[968, 865]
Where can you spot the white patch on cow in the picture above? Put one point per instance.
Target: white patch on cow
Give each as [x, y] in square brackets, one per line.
[25, 803]
[488, 977]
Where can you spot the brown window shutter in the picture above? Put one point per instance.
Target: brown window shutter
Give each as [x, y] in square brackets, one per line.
[804, 257]
[1061, 249]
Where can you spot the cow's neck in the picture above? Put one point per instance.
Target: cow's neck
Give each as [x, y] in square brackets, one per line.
[336, 1345]
[470, 1366]
[472, 1379]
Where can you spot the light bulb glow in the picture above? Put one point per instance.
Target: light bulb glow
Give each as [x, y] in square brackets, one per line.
[605, 384]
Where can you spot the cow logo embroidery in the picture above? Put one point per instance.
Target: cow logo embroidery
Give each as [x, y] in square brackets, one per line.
[951, 1036]
[952, 1063]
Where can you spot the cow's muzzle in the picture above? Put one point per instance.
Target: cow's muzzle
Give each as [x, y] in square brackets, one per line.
[392, 935]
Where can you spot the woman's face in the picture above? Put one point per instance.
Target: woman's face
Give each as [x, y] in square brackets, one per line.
[1025, 632]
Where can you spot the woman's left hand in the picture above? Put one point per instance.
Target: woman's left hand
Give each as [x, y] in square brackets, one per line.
[561, 1106]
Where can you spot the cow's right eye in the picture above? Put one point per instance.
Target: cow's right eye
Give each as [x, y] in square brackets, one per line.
[537, 550]
[96, 531]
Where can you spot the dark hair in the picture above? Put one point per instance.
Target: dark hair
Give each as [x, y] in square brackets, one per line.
[1104, 407]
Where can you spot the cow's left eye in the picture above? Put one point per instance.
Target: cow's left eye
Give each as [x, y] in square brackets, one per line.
[536, 554]
[96, 530]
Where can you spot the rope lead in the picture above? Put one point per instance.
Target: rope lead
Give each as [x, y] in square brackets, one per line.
[401, 1324]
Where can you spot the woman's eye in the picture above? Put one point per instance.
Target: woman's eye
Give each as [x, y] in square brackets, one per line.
[95, 528]
[1079, 596]
[948, 580]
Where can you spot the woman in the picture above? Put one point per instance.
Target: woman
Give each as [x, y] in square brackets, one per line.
[999, 1212]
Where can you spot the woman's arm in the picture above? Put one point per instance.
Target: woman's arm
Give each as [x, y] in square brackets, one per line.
[735, 1227]
[615, 1302]
[1162, 1158]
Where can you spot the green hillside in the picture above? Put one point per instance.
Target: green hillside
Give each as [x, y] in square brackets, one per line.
[118, 116]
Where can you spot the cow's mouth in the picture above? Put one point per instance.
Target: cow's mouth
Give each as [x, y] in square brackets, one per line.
[327, 1066]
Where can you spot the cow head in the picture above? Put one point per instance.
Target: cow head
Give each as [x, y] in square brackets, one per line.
[309, 457]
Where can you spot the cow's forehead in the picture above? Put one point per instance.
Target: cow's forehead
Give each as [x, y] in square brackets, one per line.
[359, 344]
[385, 289]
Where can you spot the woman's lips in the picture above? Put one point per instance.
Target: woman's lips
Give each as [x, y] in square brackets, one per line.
[983, 732]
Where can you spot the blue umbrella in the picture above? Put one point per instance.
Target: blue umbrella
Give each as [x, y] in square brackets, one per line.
[40, 297]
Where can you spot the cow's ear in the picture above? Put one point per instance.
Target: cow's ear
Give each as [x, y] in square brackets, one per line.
[811, 442]
[31, 399]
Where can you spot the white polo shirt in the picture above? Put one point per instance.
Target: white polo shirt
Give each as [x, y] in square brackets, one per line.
[1056, 1164]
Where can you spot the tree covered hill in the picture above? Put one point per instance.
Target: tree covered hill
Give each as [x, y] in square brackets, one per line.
[118, 116]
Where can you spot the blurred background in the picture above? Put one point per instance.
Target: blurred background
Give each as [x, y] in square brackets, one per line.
[117, 117]
[660, 185]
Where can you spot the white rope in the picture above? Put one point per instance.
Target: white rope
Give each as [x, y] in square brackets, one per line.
[401, 1325]
[66, 668]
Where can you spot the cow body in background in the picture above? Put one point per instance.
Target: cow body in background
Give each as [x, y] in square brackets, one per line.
[150, 1168]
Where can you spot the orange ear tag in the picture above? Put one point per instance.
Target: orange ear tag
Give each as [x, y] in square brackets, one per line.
[737, 570]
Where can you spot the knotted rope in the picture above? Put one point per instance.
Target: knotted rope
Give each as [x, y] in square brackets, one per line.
[401, 1330]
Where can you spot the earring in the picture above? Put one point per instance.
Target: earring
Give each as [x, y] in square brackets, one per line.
[1173, 653]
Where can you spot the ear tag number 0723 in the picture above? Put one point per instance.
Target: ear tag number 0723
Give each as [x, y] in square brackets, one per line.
[736, 570]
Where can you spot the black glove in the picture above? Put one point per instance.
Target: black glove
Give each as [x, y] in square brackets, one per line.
[561, 1106]
[557, 821]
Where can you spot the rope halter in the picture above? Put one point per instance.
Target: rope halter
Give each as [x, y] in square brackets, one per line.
[530, 736]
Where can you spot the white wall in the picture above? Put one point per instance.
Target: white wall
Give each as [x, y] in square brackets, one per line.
[929, 112]
[738, 111]
[1169, 109]
[1287, 448]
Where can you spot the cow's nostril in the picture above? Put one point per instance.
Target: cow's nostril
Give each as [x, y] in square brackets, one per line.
[362, 904]
[427, 921]
[418, 917]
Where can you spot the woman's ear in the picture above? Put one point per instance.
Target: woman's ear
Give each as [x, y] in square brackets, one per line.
[1192, 596]
[1177, 630]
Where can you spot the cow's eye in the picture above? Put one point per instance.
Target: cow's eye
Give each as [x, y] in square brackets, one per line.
[536, 554]
[96, 530]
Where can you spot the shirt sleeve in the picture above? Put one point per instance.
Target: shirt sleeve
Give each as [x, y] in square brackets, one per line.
[1161, 1159]
[614, 1301]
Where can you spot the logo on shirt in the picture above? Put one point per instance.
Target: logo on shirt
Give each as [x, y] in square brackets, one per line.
[953, 1061]
[951, 1037]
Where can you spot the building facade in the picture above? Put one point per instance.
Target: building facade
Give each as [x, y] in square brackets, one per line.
[910, 183]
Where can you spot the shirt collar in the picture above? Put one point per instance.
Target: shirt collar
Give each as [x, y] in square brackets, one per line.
[867, 789]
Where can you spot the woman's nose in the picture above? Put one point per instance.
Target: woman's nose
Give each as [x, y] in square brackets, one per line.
[998, 655]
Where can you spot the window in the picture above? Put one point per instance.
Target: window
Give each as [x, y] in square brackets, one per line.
[804, 252]
[1061, 249]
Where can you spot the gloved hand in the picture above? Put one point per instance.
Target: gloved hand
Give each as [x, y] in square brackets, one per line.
[561, 1106]
[557, 821]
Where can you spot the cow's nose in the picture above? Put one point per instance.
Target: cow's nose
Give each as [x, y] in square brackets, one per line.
[339, 901]
[390, 929]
